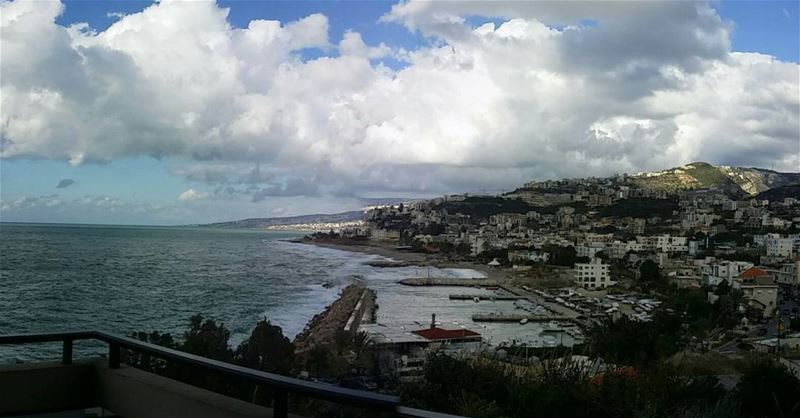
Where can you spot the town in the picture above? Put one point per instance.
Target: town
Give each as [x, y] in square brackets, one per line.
[574, 253]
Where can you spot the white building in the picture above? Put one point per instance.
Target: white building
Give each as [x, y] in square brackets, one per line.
[778, 246]
[715, 272]
[592, 275]
[587, 251]
[665, 243]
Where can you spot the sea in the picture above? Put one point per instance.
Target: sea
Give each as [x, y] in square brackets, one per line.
[124, 279]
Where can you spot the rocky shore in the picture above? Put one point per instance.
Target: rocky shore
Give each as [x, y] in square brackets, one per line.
[322, 329]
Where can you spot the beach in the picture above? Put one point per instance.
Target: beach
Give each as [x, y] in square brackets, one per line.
[391, 251]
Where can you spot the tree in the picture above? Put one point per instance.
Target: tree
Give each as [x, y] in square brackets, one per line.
[723, 288]
[267, 349]
[768, 389]
[318, 359]
[725, 312]
[207, 339]
[794, 324]
[561, 256]
[649, 272]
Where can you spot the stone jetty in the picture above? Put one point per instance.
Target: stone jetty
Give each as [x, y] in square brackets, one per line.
[344, 314]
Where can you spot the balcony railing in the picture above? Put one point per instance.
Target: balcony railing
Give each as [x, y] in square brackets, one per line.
[281, 386]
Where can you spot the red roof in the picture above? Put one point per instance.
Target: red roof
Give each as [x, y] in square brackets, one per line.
[753, 272]
[437, 333]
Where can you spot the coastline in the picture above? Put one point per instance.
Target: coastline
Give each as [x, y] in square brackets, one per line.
[407, 257]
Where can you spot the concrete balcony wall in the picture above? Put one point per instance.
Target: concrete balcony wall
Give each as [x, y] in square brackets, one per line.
[45, 387]
[129, 392]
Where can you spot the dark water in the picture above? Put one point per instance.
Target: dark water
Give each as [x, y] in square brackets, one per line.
[123, 279]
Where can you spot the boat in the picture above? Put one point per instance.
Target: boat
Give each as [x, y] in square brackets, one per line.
[476, 299]
[523, 321]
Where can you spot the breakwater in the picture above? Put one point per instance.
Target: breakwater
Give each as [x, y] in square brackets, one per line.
[344, 314]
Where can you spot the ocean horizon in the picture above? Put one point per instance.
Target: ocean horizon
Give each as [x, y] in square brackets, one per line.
[125, 279]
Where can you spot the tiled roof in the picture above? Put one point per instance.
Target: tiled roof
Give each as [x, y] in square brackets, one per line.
[437, 333]
[753, 272]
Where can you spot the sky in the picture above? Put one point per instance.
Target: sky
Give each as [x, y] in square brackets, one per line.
[181, 112]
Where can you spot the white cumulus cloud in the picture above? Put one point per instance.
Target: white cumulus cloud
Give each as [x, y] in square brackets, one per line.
[644, 85]
[192, 194]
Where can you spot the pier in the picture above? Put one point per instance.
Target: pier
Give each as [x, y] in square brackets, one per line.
[486, 297]
[449, 281]
[503, 317]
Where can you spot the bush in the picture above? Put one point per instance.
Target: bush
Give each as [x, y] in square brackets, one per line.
[768, 389]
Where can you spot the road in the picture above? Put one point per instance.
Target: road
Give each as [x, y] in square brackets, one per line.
[785, 312]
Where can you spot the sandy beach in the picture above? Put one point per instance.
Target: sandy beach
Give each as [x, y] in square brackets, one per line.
[418, 259]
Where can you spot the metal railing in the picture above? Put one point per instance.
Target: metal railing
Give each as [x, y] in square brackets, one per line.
[281, 385]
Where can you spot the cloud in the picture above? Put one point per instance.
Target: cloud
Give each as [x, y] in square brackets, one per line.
[191, 194]
[292, 187]
[28, 202]
[534, 92]
[91, 209]
[64, 183]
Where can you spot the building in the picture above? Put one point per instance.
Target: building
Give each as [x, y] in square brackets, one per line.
[777, 246]
[759, 289]
[664, 243]
[714, 273]
[587, 251]
[380, 234]
[592, 275]
[516, 256]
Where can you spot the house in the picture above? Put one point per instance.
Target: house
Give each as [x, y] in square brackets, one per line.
[759, 290]
[714, 273]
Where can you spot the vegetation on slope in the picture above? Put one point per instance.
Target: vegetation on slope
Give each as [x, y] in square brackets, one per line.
[484, 207]
[641, 208]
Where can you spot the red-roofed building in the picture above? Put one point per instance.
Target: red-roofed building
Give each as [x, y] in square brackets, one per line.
[759, 289]
[753, 272]
[449, 335]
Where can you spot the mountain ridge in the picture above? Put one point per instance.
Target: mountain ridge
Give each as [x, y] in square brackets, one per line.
[743, 181]
[353, 215]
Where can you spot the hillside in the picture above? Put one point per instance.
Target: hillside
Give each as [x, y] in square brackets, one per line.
[290, 220]
[779, 193]
[736, 181]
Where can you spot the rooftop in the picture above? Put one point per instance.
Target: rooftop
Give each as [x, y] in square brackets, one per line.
[441, 334]
[753, 272]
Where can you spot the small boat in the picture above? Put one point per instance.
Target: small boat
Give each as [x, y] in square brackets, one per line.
[476, 299]
[523, 321]
[327, 285]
